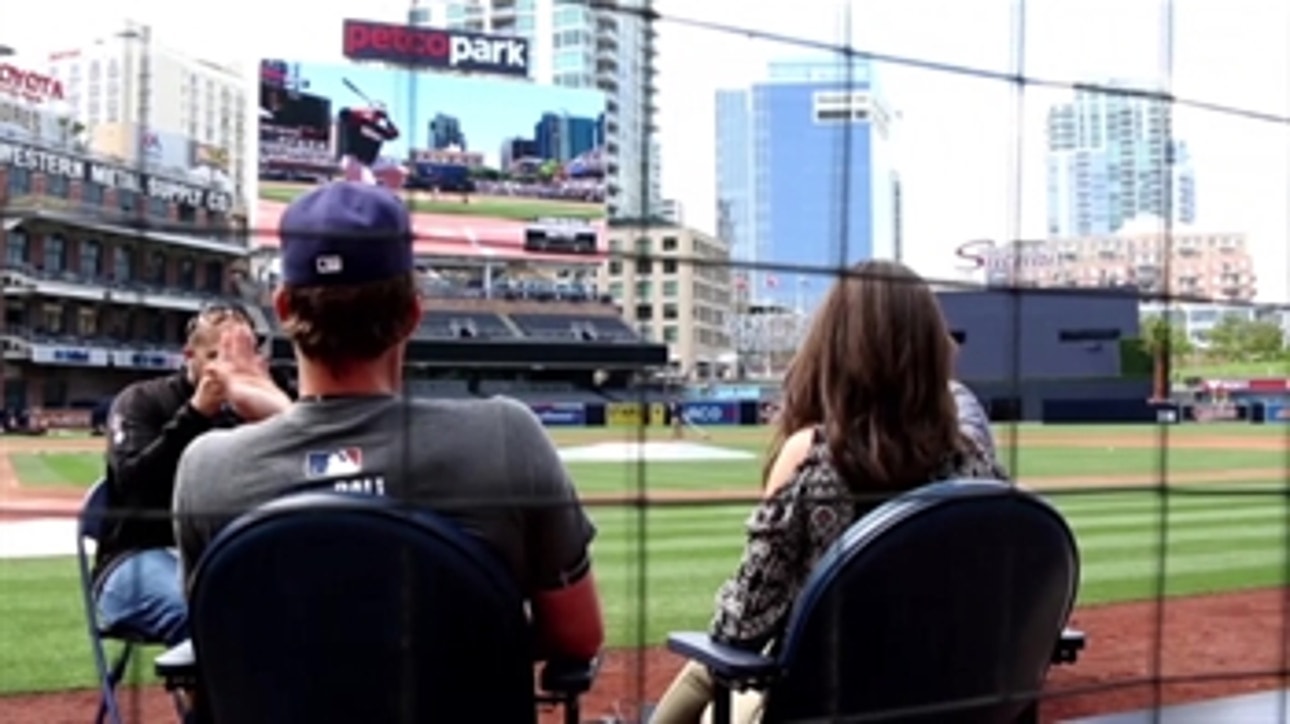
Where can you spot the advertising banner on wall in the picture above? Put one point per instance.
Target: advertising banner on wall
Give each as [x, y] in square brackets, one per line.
[560, 414]
[710, 413]
[484, 163]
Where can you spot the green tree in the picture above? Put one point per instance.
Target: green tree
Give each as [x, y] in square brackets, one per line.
[1166, 344]
[1227, 338]
[1263, 341]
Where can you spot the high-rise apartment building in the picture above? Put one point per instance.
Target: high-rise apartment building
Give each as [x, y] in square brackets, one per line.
[805, 173]
[1112, 157]
[574, 45]
[151, 105]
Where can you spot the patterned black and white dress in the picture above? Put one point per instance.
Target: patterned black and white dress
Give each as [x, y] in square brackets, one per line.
[791, 529]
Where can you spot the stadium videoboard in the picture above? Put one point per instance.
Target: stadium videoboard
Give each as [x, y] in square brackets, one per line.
[485, 163]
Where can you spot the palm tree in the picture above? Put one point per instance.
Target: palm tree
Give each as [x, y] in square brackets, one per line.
[1165, 343]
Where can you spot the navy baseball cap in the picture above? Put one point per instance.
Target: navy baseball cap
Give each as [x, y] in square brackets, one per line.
[345, 232]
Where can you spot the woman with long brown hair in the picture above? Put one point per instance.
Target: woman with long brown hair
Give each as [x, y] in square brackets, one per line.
[869, 411]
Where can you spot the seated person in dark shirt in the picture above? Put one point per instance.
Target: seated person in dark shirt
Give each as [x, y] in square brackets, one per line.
[349, 304]
[136, 569]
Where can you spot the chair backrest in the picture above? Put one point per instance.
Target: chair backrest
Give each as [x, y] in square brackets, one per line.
[953, 595]
[93, 517]
[326, 607]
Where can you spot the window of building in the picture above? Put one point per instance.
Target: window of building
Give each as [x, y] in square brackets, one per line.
[615, 245]
[51, 319]
[91, 257]
[615, 268]
[58, 186]
[644, 290]
[1087, 335]
[670, 243]
[87, 322]
[643, 246]
[616, 290]
[214, 277]
[644, 312]
[122, 264]
[19, 181]
[92, 193]
[669, 310]
[159, 208]
[669, 289]
[154, 272]
[15, 252]
[127, 201]
[669, 266]
[644, 266]
[669, 333]
[55, 253]
[187, 277]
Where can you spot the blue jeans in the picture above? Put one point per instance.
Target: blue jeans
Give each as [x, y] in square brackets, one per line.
[143, 594]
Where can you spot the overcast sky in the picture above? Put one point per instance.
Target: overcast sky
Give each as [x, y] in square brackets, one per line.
[958, 136]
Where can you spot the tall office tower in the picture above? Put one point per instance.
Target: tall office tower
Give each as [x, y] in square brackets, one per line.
[1109, 158]
[574, 45]
[150, 105]
[445, 132]
[805, 174]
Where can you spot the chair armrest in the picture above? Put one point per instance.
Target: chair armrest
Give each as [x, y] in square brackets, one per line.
[1069, 646]
[735, 667]
[177, 666]
[570, 678]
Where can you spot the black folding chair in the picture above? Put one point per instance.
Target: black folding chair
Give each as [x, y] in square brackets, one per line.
[946, 604]
[89, 527]
[326, 607]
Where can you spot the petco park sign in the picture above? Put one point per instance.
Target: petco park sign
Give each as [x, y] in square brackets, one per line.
[459, 50]
[29, 85]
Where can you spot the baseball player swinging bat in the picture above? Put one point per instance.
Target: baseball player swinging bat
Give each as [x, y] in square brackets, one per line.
[363, 131]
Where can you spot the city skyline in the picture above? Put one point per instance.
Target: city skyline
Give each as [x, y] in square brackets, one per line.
[971, 149]
[488, 111]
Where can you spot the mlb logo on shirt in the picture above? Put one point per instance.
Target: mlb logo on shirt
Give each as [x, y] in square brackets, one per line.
[330, 463]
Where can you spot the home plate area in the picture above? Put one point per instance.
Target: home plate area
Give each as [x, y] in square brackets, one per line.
[653, 452]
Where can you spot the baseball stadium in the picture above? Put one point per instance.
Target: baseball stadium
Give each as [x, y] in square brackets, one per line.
[1177, 503]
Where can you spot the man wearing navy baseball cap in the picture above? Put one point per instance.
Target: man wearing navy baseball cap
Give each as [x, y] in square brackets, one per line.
[349, 304]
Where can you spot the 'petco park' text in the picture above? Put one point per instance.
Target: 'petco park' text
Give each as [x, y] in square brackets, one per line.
[434, 48]
[80, 169]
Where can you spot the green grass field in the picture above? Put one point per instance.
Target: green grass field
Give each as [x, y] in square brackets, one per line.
[498, 207]
[1219, 537]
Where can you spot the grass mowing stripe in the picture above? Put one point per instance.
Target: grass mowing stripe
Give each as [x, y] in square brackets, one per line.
[1121, 521]
[1183, 562]
[1264, 533]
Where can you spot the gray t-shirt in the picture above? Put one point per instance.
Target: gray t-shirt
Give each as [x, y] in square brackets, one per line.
[487, 464]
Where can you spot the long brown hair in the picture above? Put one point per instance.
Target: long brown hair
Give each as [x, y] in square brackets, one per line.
[874, 373]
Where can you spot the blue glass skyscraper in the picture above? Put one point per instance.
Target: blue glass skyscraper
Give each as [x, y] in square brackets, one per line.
[805, 175]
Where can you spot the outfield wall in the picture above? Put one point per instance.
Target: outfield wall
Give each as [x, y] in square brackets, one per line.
[1066, 408]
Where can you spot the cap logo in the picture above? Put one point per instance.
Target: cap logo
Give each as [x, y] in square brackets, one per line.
[329, 264]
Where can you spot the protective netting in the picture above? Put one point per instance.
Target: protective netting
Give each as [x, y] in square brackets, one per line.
[1096, 191]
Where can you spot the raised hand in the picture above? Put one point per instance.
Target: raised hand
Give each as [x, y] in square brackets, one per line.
[244, 376]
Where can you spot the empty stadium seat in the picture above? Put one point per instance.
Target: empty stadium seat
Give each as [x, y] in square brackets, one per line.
[463, 325]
